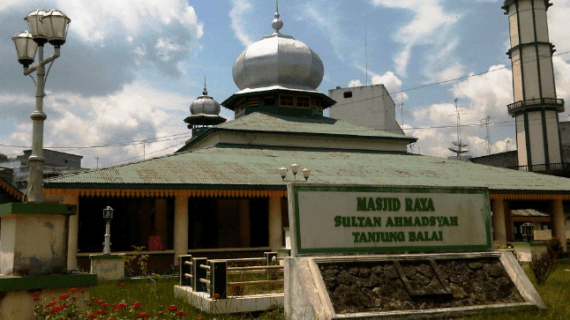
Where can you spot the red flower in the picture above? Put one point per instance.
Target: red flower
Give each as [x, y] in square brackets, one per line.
[100, 302]
[181, 314]
[36, 294]
[72, 290]
[121, 284]
[121, 305]
[137, 304]
[172, 308]
[104, 304]
[143, 315]
[74, 298]
[36, 298]
[63, 296]
[216, 296]
[82, 290]
[100, 311]
[92, 299]
[51, 304]
[92, 316]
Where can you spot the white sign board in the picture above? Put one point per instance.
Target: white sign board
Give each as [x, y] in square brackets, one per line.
[352, 219]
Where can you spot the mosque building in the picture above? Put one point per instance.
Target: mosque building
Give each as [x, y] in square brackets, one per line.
[222, 194]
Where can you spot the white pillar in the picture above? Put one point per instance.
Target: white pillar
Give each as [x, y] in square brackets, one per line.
[73, 234]
[275, 224]
[244, 227]
[180, 227]
[559, 221]
[499, 227]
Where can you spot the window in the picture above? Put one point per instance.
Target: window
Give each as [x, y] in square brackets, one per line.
[348, 94]
[269, 101]
[253, 102]
[303, 102]
[240, 108]
[286, 100]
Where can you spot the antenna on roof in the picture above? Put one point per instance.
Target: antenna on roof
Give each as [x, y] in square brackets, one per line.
[366, 52]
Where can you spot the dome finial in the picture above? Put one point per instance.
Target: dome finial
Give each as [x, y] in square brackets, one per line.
[205, 92]
[277, 24]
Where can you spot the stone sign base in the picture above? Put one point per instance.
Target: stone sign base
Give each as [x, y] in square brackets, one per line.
[427, 285]
[108, 266]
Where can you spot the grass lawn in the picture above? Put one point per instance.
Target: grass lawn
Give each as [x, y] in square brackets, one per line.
[155, 297]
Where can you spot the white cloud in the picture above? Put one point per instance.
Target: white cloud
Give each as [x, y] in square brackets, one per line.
[479, 97]
[453, 72]
[135, 113]
[558, 26]
[391, 81]
[95, 20]
[430, 25]
[239, 21]
[325, 15]
[355, 83]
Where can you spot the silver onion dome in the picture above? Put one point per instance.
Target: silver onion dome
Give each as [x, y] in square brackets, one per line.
[278, 59]
[205, 104]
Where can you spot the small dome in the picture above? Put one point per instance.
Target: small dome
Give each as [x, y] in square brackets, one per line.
[278, 59]
[205, 105]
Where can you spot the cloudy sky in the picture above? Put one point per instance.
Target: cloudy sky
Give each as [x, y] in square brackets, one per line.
[130, 68]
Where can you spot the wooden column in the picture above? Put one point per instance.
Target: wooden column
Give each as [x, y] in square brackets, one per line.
[160, 220]
[275, 224]
[558, 223]
[244, 224]
[499, 227]
[180, 227]
[508, 221]
[73, 234]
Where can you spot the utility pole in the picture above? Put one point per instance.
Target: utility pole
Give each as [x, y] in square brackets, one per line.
[486, 121]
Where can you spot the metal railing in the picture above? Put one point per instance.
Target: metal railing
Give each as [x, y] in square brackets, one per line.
[514, 107]
[205, 275]
[547, 167]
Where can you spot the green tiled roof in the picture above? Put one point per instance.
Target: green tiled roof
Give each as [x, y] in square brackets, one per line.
[263, 122]
[257, 168]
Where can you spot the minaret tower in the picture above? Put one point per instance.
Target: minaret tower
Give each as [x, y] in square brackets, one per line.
[535, 106]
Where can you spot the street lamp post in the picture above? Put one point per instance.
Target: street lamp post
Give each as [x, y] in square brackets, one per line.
[45, 27]
[108, 216]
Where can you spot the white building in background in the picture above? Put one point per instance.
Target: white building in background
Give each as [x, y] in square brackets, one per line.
[56, 163]
[367, 106]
